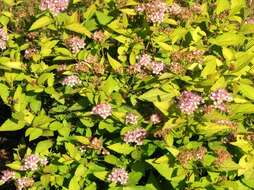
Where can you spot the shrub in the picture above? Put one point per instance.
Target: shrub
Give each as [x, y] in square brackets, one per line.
[127, 94]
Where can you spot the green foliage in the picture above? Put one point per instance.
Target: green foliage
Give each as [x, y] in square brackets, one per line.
[56, 68]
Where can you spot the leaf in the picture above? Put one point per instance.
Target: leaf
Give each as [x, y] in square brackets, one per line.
[114, 63]
[228, 39]
[156, 94]
[76, 27]
[103, 18]
[12, 64]
[210, 67]
[162, 167]
[102, 175]
[222, 5]
[210, 129]
[72, 150]
[110, 85]
[4, 92]
[74, 185]
[33, 133]
[247, 90]
[41, 22]
[43, 147]
[121, 148]
[10, 125]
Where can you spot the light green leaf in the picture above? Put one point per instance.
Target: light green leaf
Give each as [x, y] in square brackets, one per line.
[121, 148]
[247, 90]
[10, 125]
[76, 27]
[228, 39]
[43, 147]
[114, 63]
[41, 22]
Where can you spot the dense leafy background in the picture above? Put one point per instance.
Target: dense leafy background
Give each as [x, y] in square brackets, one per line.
[206, 46]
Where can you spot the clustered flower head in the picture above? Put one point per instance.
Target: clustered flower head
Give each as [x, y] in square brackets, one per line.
[103, 110]
[188, 56]
[76, 44]
[71, 81]
[155, 118]
[24, 182]
[98, 36]
[3, 39]
[81, 66]
[222, 155]
[184, 12]
[145, 62]
[154, 10]
[7, 175]
[61, 68]
[157, 67]
[176, 68]
[54, 6]
[189, 102]
[195, 154]
[32, 162]
[226, 122]
[220, 97]
[118, 176]
[29, 53]
[131, 118]
[136, 136]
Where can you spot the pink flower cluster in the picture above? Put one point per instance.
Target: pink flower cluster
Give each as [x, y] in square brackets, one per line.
[136, 136]
[29, 53]
[131, 118]
[76, 44]
[24, 182]
[98, 36]
[54, 6]
[146, 62]
[71, 81]
[32, 162]
[154, 10]
[155, 118]
[7, 175]
[118, 176]
[219, 98]
[3, 39]
[189, 102]
[103, 110]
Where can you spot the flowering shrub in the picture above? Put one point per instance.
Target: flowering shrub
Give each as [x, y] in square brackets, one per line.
[126, 94]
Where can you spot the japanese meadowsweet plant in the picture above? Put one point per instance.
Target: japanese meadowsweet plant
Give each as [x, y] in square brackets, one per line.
[128, 94]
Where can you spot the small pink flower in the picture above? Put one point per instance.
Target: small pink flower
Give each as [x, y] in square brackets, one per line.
[155, 11]
[131, 119]
[103, 110]
[76, 44]
[136, 136]
[189, 102]
[157, 67]
[8, 175]
[3, 39]
[24, 182]
[29, 53]
[118, 176]
[71, 81]
[32, 162]
[98, 36]
[54, 6]
[145, 60]
[155, 118]
[219, 98]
